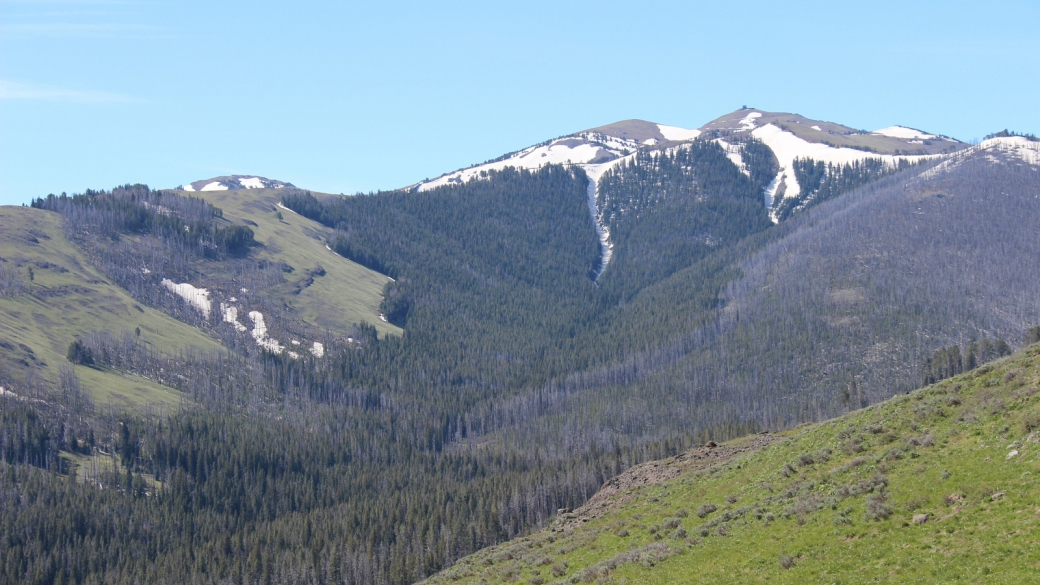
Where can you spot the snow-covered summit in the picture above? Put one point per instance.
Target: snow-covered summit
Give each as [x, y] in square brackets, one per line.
[791, 137]
[594, 150]
[234, 183]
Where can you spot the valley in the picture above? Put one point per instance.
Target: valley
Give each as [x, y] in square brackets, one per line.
[421, 383]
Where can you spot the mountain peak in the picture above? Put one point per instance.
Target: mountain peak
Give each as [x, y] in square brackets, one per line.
[893, 140]
[235, 183]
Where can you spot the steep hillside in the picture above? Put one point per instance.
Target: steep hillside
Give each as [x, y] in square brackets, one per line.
[345, 295]
[937, 486]
[66, 299]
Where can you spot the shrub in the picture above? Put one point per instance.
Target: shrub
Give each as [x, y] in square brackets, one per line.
[705, 509]
[877, 507]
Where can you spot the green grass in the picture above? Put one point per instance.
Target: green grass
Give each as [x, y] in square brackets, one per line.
[940, 451]
[348, 293]
[70, 298]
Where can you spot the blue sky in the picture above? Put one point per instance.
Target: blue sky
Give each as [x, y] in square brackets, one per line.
[347, 97]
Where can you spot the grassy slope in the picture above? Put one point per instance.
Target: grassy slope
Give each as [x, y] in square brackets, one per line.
[942, 451]
[70, 298]
[349, 293]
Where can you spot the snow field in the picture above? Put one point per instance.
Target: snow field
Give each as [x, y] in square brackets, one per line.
[676, 133]
[214, 186]
[903, 132]
[787, 147]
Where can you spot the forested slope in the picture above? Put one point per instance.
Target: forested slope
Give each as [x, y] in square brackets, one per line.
[518, 383]
[935, 486]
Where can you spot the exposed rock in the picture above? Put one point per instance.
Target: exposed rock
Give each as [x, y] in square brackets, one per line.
[1012, 454]
[920, 518]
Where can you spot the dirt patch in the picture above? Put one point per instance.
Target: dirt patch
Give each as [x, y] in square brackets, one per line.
[618, 489]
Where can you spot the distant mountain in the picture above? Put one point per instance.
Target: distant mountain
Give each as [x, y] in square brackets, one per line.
[234, 183]
[790, 137]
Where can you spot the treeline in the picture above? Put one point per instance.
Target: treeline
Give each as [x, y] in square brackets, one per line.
[950, 361]
[136, 209]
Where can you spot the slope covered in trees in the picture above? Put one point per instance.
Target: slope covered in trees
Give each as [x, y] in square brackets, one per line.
[936, 486]
[518, 384]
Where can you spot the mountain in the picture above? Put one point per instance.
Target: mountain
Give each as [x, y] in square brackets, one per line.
[392, 381]
[934, 486]
[234, 183]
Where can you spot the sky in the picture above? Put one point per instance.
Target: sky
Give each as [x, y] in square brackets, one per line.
[346, 97]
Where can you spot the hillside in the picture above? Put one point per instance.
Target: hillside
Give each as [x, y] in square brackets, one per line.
[547, 328]
[935, 486]
[345, 295]
[68, 299]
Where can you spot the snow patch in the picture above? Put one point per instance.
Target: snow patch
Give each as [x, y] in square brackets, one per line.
[286, 208]
[196, 297]
[817, 128]
[677, 134]
[770, 193]
[145, 271]
[188, 187]
[231, 316]
[606, 248]
[214, 186]
[733, 154]
[251, 182]
[748, 122]
[903, 132]
[260, 334]
[317, 350]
